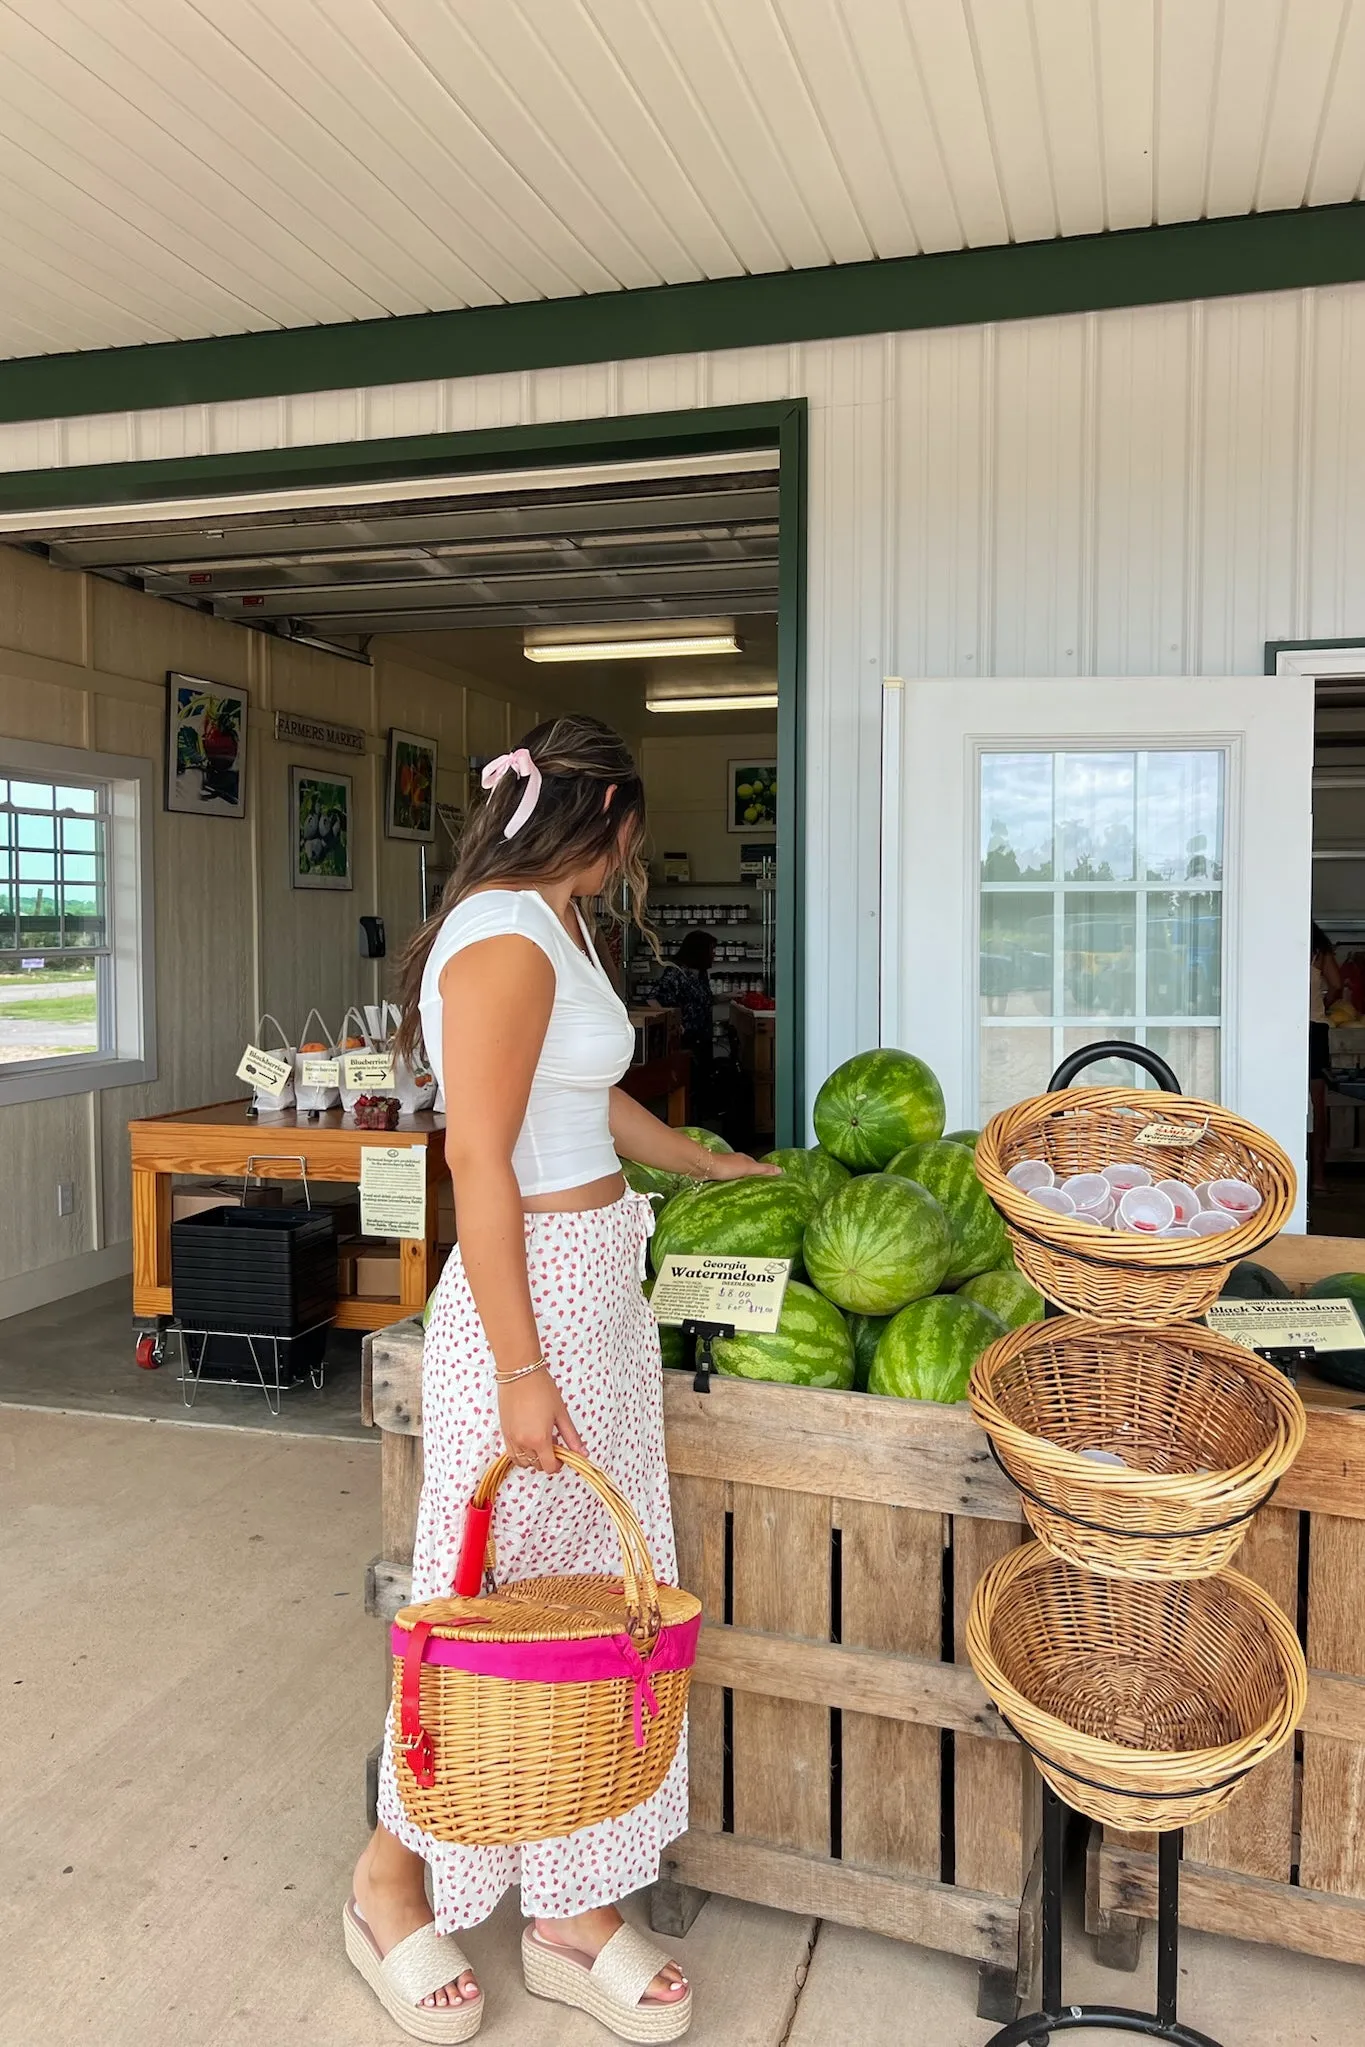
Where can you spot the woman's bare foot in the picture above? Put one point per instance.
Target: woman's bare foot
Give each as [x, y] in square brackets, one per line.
[390, 1896]
[589, 1933]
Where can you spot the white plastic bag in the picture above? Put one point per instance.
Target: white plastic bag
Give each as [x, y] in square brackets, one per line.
[316, 1045]
[265, 1103]
[413, 1081]
[357, 1038]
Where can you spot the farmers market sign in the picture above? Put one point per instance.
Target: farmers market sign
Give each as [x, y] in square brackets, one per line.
[319, 732]
[746, 1293]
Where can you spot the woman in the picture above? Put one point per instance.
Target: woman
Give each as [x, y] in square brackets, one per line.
[685, 985]
[1324, 988]
[539, 1335]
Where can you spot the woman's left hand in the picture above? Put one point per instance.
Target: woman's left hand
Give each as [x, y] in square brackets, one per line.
[737, 1165]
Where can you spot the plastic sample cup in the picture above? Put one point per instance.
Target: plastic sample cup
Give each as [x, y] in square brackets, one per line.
[1186, 1199]
[1236, 1197]
[1146, 1209]
[1031, 1173]
[1053, 1198]
[1090, 1193]
[1178, 1230]
[1122, 1175]
[1210, 1222]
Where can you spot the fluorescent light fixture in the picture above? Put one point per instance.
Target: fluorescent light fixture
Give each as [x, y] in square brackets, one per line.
[630, 650]
[759, 701]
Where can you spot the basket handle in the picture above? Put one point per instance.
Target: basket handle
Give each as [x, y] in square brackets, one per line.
[1113, 1048]
[643, 1619]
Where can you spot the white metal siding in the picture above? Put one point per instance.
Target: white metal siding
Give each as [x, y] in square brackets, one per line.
[1138, 492]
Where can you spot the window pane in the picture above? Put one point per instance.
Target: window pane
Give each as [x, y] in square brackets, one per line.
[31, 795]
[1183, 827]
[1184, 954]
[1014, 1063]
[80, 835]
[36, 831]
[1016, 954]
[1107, 1072]
[48, 1011]
[1095, 799]
[1016, 817]
[76, 799]
[1100, 961]
[1194, 1057]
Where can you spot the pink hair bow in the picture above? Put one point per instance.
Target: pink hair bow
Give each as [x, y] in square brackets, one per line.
[518, 763]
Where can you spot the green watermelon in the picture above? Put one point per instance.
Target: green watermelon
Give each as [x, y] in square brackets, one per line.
[1251, 1282]
[877, 1243]
[1007, 1294]
[1342, 1367]
[810, 1163]
[928, 1350]
[811, 1345]
[875, 1104]
[672, 1342]
[865, 1331]
[949, 1172]
[971, 1138]
[652, 1180]
[756, 1218]
[706, 1138]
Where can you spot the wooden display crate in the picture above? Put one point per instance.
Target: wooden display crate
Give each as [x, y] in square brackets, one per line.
[844, 1760]
[1285, 1863]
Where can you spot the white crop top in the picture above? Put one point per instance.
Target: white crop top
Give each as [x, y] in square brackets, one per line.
[565, 1140]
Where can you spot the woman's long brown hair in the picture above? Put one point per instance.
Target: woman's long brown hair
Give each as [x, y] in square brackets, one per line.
[571, 827]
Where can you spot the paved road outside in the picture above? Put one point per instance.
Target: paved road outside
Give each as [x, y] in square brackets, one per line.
[36, 1037]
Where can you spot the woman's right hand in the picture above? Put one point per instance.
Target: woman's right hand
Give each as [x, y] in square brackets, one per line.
[532, 1414]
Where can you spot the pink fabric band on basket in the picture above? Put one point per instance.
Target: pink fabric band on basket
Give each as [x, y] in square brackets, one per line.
[605, 1656]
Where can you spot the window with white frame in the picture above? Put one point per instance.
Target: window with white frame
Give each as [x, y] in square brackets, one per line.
[75, 921]
[1101, 913]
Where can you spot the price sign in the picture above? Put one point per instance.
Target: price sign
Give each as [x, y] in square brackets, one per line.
[1288, 1325]
[265, 1070]
[1172, 1136]
[368, 1070]
[320, 1072]
[393, 1190]
[745, 1292]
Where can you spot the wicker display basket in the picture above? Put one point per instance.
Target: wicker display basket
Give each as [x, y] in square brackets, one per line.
[1116, 1275]
[1205, 1431]
[1144, 1705]
[541, 1707]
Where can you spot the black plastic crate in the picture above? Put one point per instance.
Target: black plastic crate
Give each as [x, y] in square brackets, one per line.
[272, 1270]
[228, 1359]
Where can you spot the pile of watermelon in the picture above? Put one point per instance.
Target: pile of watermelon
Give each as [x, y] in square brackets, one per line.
[901, 1269]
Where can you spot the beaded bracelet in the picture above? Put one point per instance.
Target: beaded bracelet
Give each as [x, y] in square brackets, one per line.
[523, 1372]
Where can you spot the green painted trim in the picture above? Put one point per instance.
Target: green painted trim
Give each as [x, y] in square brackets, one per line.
[1142, 266]
[789, 1107]
[1274, 647]
[411, 456]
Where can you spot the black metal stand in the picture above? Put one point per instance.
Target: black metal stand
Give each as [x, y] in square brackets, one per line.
[703, 1335]
[1037, 2027]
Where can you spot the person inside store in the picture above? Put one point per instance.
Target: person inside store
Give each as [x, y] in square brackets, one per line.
[538, 1338]
[1324, 988]
[685, 985]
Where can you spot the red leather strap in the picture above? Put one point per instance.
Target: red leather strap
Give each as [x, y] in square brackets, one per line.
[414, 1739]
[473, 1551]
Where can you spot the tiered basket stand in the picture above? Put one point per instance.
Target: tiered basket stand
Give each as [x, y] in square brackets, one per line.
[1213, 1431]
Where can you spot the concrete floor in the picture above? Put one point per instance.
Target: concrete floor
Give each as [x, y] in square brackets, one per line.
[188, 1688]
[77, 1355]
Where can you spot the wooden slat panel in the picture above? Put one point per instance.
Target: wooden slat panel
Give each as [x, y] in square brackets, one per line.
[996, 1799]
[1332, 1850]
[1246, 1907]
[944, 1916]
[699, 1506]
[1255, 1833]
[1328, 1475]
[890, 1807]
[914, 1690]
[400, 1487]
[781, 1751]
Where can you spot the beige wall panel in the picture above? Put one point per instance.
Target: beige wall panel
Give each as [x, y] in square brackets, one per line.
[318, 685]
[685, 787]
[42, 1143]
[486, 724]
[126, 642]
[36, 612]
[38, 710]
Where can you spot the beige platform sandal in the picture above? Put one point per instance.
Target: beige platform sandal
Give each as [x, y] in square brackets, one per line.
[410, 1971]
[609, 1989]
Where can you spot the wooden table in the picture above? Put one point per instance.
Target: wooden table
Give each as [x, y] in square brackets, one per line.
[661, 1080]
[217, 1141]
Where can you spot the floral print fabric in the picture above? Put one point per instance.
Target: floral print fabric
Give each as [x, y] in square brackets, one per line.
[602, 1345]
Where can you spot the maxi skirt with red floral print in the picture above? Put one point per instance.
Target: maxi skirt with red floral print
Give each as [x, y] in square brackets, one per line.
[602, 1345]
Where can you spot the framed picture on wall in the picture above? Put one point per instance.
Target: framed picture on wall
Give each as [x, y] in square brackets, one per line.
[410, 807]
[206, 736]
[751, 796]
[319, 828]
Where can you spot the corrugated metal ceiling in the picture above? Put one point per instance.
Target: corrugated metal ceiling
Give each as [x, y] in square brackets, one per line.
[177, 168]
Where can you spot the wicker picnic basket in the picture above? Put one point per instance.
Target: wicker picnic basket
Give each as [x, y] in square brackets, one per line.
[1205, 1432]
[529, 1710]
[1144, 1705]
[1120, 1276]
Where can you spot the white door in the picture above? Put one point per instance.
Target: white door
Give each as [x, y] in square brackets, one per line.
[1071, 860]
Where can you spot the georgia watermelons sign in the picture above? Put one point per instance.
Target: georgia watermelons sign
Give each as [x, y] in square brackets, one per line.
[745, 1292]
